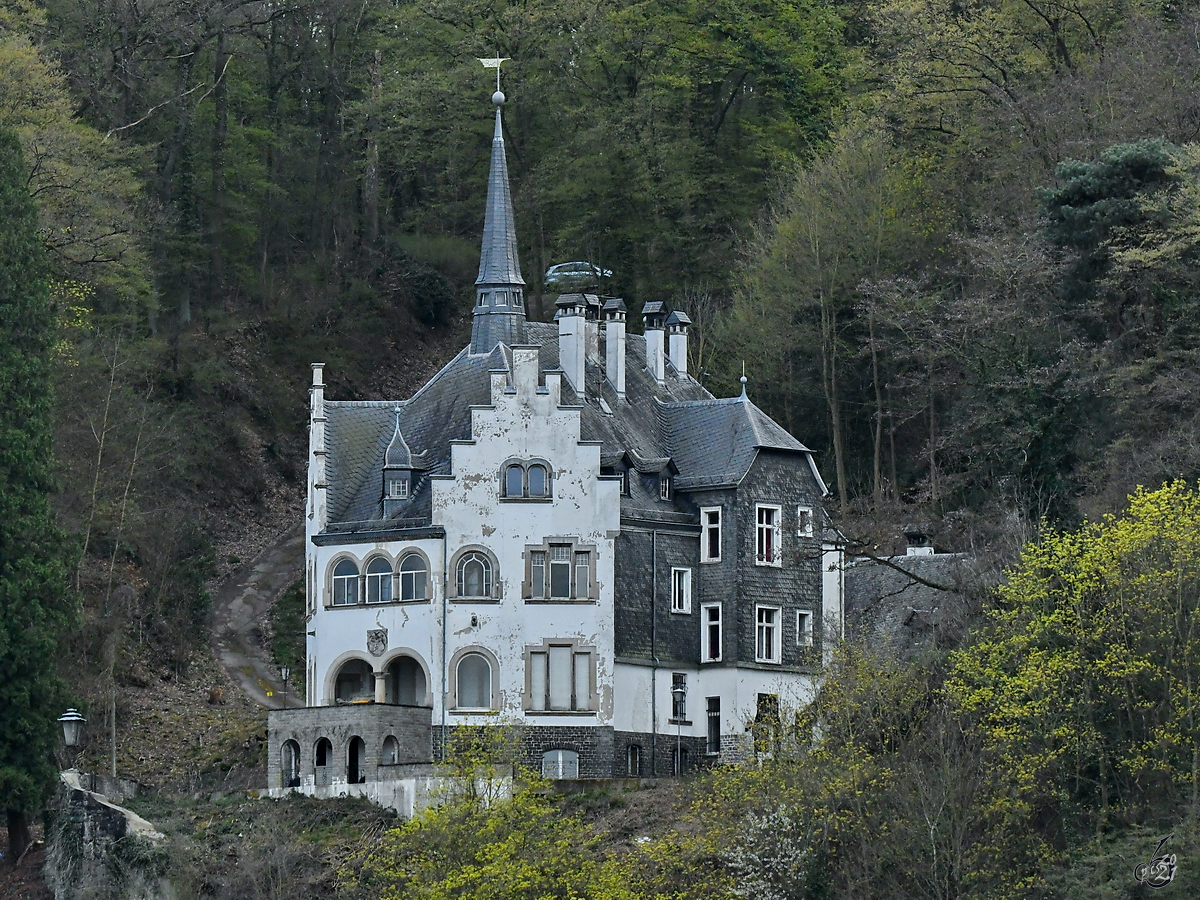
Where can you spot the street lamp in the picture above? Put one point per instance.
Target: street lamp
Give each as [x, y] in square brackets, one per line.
[679, 694]
[72, 725]
[284, 672]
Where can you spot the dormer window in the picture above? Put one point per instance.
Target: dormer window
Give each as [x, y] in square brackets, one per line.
[397, 487]
[664, 487]
[525, 480]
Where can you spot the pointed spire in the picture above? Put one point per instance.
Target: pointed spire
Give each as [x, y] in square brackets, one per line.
[397, 455]
[499, 303]
[498, 262]
[743, 380]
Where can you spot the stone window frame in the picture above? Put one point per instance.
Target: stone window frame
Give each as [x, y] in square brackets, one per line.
[331, 581]
[525, 464]
[776, 634]
[578, 648]
[705, 624]
[406, 554]
[775, 529]
[593, 591]
[705, 528]
[364, 592]
[394, 561]
[493, 664]
[684, 575]
[459, 558]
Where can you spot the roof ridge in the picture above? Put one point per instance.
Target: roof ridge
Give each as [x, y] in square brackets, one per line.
[465, 351]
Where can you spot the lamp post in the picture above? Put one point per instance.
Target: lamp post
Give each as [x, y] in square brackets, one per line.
[72, 726]
[679, 694]
[284, 672]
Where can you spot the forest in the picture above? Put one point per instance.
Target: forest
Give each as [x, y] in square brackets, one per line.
[955, 245]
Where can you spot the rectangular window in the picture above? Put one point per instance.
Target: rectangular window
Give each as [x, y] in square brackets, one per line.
[710, 633]
[560, 570]
[766, 546]
[624, 482]
[804, 521]
[804, 628]
[678, 696]
[397, 488]
[537, 573]
[766, 646]
[681, 590]
[664, 488]
[710, 536]
[714, 725]
[560, 679]
[583, 573]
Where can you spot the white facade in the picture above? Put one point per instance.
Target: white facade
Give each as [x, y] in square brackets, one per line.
[525, 422]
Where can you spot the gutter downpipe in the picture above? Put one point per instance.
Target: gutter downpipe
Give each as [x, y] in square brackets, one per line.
[445, 590]
[654, 653]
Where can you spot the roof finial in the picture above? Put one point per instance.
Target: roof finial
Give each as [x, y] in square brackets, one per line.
[494, 63]
[743, 380]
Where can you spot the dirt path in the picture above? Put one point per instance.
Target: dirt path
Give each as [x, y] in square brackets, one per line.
[240, 607]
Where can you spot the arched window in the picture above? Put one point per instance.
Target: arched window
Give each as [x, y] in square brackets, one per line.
[345, 583]
[474, 575]
[413, 576]
[289, 764]
[514, 481]
[391, 751]
[474, 680]
[537, 481]
[379, 581]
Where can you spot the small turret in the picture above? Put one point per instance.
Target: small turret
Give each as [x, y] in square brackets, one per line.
[397, 472]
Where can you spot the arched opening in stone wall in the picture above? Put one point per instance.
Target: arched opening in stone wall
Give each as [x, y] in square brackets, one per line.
[406, 682]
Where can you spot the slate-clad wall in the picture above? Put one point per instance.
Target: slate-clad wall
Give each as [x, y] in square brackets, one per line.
[781, 480]
[717, 582]
[642, 551]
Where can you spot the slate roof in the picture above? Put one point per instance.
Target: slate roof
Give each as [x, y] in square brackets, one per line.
[679, 427]
[498, 262]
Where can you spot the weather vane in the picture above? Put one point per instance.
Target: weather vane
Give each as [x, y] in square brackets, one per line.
[494, 63]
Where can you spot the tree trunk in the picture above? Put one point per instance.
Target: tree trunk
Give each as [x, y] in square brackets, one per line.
[217, 217]
[19, 834]
[833, 398]
[877, 468]
[371, 175]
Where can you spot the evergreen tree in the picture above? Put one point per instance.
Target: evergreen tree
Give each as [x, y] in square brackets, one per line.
[34, 604]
